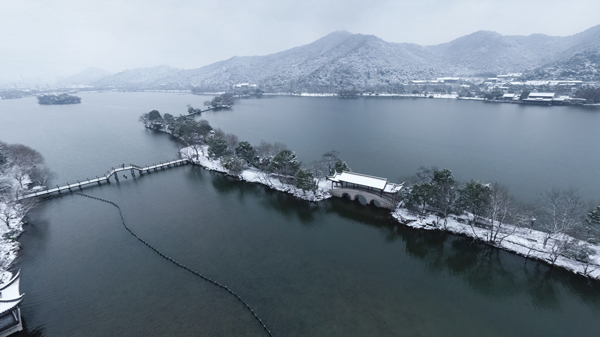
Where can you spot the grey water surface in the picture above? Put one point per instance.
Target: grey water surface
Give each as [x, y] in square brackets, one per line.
[335, 268]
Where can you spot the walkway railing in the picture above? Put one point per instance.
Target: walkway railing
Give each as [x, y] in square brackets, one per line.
[367, 190]
[113, 172]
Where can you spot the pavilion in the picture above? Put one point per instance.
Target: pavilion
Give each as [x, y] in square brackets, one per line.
[376, 190]
[10, 312]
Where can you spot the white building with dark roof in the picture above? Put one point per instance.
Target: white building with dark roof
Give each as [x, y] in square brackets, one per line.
[10, 312]
[376, 190]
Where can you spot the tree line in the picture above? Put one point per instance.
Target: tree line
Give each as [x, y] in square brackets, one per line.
[558, 213]
[272, 160]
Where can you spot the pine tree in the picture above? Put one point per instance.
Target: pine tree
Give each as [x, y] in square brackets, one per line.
[246, 150]
[286, 163]
[341, 166]
[217, 148]
[593, 225]
[593, 217]
[305, 180]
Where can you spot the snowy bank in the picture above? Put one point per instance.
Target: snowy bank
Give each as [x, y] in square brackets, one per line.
[12, 214]
[526, 242]
[199, 156]
[306, 94]
[522, 241]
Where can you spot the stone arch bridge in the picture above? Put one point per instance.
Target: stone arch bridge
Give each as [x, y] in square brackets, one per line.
[375, 190]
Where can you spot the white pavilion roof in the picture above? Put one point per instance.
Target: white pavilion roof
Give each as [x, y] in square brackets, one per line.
[365, 180]
[9, 294]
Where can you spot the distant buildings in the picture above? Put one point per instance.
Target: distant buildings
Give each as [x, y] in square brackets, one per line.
[244, 86]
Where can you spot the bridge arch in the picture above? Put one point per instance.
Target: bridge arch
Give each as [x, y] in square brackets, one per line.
[367, 198]
[361, 199]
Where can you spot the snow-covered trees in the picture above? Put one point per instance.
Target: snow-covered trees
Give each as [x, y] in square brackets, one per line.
[420, 196]
[232, 142]
[192, 111]
[152, 120]
[154, 115]
[21, 168]
[445, 196]
[593, 216]
[592, 225]
[501, 209]
[246, 151]
[235, 165]
[560, 212]
[305, 180]
[475, 198]
[285, 163]
[24, 162]
[217, 148]
[329, 159]
[341, 166]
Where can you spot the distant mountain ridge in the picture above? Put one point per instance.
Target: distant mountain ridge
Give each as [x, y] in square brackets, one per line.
[86, 77]
[342, 60]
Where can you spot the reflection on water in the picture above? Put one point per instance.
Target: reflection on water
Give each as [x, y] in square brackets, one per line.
[332, 268]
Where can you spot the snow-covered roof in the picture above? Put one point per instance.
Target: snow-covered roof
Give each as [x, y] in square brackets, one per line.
[541, 95]
[9, 294]
[393, 188]
[365, 180]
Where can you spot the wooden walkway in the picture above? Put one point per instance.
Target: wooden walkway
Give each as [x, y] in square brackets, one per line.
[113, 172]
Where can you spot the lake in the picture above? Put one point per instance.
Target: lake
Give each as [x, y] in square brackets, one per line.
[335, 268]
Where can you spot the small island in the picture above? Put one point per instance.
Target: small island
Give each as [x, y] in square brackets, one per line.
[58, 99]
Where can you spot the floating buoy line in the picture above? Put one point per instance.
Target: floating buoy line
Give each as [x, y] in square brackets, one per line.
[205, 278]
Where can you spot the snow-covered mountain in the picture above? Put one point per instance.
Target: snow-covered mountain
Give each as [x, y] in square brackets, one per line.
[343, 60]
[86, 77]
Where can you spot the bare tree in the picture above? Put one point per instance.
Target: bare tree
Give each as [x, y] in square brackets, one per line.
[23, 160]
[219, 133]
[561, 211]
[232, 142]
[319, 170]
[40, 175]
[278, 147]
[329, 159]
[501, 209]
[264, 149]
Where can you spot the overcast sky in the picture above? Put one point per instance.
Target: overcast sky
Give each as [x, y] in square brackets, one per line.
[47, 39]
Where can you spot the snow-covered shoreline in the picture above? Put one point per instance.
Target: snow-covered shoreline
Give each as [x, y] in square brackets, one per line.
[525, 242]
[522, 241]
[255, 176]
[11, 228]
[306, 94]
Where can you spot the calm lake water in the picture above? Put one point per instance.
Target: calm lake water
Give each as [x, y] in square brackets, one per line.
[330, 269]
